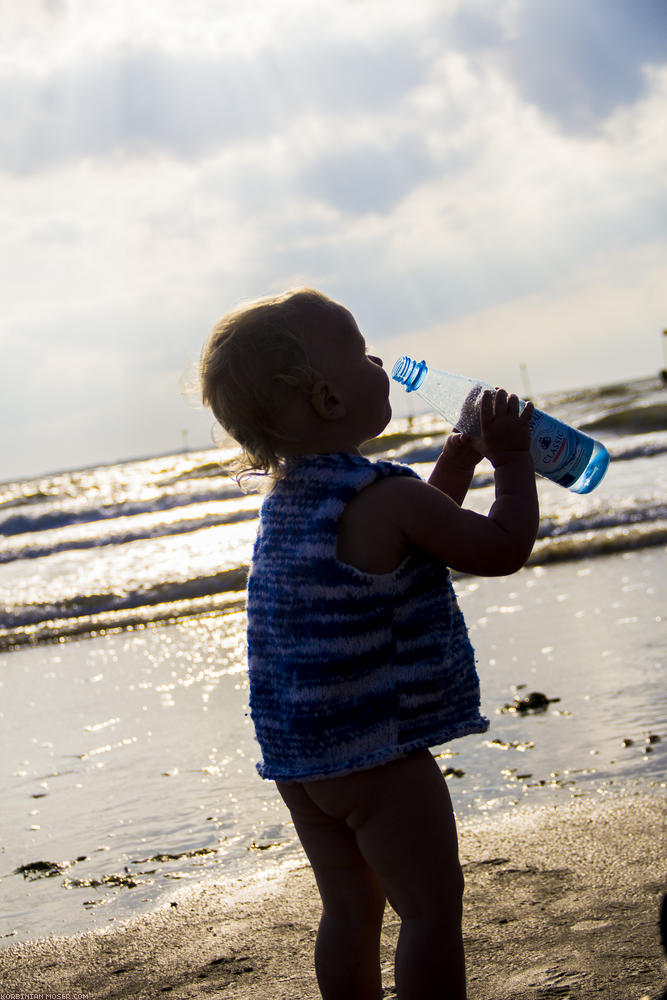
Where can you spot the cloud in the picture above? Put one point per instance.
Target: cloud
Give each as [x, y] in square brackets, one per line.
[141, 101]
[24, 21]
[461, 175]
[602, 327]
[579, 61]
[576, 61]
[369, 176]
[131, 101]
[476, 24]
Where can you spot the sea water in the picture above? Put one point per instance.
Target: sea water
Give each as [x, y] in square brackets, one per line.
[127, 752]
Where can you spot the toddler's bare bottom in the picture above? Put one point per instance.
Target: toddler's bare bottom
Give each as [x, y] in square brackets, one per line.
[385, 833]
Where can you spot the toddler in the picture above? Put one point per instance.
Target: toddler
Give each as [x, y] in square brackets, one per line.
[358, 655]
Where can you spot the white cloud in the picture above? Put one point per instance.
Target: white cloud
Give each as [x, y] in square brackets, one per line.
[576, 61]
[165, 160]
[137, 100]
[600, 327]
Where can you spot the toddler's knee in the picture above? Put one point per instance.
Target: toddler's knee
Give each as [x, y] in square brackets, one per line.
[358, 900]
[440, 903]
[361, 910]
[375, 902]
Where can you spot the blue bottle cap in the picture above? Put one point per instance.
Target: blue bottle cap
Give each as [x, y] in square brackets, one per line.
[409, 373]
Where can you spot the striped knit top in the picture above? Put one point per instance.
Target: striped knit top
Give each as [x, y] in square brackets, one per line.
[348, 669]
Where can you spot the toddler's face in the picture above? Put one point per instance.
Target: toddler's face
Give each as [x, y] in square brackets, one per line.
[357, 376]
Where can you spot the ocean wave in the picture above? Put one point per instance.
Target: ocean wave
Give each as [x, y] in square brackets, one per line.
[640, 446]
[183, 491]
[143, 527]
[78, 626]
[593, 543]
[634, 419]
[621, 515]
[76, 513]
[179, 599]
[621, 449]
[209, 469]
[120, 534]
[87, 605]
[425, 450]
[626, 516]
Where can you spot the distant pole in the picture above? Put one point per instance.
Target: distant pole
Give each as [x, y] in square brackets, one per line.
[663, 372]
[526, 383]
[184, 432]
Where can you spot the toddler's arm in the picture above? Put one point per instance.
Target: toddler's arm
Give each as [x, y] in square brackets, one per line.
[397, 512]
[453, 472]
[492, 545]
[506, 443]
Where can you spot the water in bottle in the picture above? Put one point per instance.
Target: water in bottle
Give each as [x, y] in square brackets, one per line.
[560, 452]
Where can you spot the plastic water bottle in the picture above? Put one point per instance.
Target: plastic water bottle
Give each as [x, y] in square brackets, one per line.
[560, 452]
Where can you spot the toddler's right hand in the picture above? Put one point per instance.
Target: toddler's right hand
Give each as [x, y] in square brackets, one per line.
[504, 429]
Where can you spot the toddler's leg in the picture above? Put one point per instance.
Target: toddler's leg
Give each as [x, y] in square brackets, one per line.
[347, 951]
[404, 824]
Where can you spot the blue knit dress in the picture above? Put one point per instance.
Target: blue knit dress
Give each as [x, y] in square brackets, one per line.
[348, 669]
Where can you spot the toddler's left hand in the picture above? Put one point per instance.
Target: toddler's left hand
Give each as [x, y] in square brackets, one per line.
[462, 450]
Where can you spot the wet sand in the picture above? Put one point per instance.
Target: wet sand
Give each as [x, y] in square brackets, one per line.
[561, 901]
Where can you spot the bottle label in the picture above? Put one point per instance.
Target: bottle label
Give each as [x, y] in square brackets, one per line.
[559, 452]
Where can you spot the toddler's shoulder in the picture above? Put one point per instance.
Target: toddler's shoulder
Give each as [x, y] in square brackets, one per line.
[386, 469]
[385, 497]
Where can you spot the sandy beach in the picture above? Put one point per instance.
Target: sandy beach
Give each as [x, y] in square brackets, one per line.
[561, 901]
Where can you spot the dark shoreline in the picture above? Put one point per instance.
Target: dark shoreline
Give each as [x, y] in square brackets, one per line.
[561, 901]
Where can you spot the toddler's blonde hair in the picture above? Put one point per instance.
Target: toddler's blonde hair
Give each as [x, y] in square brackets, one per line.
[253, 362]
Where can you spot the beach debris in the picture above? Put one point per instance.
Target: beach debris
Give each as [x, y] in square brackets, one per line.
[549, 982]
[234, 964]
[263, 845]
[124, 880]
[591, 924]
[42, 869]
[519, 745]
[535, 701]
[46, 869]
[271, 836]
[492, 862]
[513, 775]
[164, 858]
[651, 740]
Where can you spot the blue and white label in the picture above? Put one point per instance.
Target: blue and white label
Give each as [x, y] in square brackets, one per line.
[559, 452]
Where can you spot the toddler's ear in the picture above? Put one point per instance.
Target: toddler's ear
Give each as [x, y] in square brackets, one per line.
[325, 402]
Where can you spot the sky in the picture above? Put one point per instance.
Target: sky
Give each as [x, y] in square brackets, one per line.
[483, 183]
